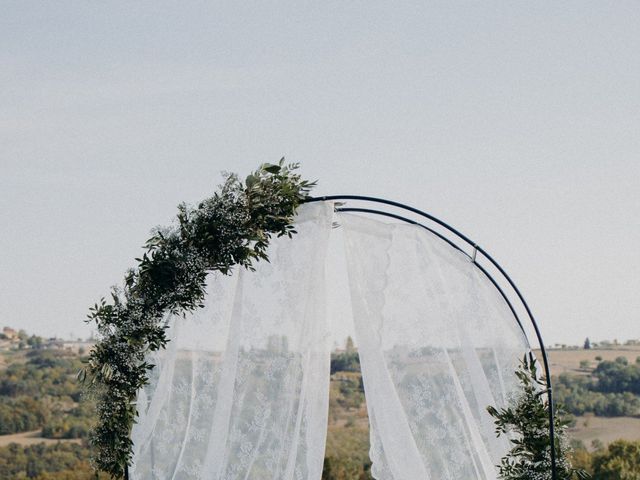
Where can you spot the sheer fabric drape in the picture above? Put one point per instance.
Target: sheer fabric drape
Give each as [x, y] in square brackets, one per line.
[437, 345]
[242, 390]
[241, 393]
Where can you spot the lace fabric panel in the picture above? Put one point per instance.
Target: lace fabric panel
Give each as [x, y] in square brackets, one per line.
[242, 390]
[437, 344]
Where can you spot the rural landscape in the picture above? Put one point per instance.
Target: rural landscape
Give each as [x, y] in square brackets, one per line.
[45, 421]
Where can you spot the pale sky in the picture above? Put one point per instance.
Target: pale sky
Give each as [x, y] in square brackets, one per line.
[516, 122]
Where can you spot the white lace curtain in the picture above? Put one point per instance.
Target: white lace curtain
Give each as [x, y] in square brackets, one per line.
[242, 391]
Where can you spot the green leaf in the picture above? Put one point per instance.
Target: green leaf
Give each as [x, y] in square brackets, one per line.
[271, 168]
[251, 181]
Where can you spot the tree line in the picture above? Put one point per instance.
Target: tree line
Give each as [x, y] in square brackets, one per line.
[41, 392]
[612, 389]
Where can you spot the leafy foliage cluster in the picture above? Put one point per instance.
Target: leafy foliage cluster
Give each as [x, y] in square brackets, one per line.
[232, 228]
[76, 422]
[526, 420]
[40, 389]
[44, 373]
[576, 394]
[618, 376]
[61, 461]
[345, 362]
[612, 390]
[21, 414]
[620, 461]
[347, 453]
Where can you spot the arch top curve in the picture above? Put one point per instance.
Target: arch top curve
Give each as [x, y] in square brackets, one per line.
[457, 240]
[248, 371]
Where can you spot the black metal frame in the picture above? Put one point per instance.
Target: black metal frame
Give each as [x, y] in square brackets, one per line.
[476, 249]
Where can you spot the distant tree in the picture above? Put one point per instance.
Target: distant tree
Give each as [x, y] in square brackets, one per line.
[587, 344]
[345, 362]
[618, 376]
[599, 358]
[580, 456]
[621, 461]
[34, 342]
[584, 364]
[62, 461]
[610, 397]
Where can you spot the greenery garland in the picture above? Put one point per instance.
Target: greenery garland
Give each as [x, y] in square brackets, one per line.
[232, 228]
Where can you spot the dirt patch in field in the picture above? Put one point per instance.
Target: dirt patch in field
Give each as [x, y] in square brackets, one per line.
[589, 428]
[31, 438]
[565, 360]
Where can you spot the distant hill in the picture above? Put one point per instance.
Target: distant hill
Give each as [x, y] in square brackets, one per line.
[44, 420]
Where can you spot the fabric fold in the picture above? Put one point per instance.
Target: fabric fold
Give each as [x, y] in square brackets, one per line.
[437, 346]
[242, 391]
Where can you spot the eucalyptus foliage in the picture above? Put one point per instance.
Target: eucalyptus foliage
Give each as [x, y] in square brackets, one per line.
[526, 422]
[232, 228]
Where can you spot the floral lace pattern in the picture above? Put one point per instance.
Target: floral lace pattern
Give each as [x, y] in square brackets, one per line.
[242, 390]
[437, 344]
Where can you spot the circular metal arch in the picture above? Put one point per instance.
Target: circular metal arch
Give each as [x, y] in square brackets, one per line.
[474, 257]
